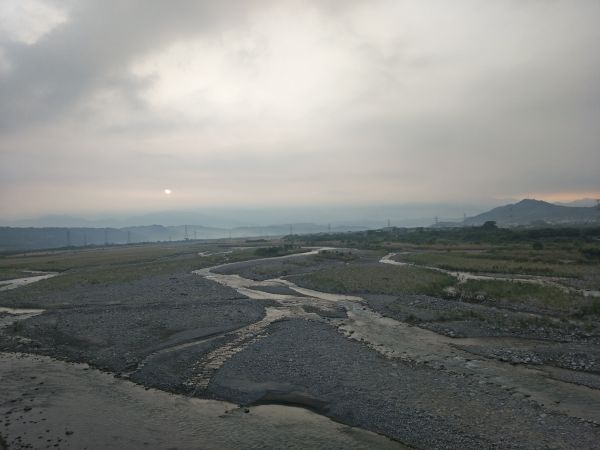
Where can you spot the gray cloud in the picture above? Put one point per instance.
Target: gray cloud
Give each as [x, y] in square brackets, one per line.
[269, 102]
[92, 51]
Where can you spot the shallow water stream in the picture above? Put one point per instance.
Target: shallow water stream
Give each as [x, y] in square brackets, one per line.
[6, 285]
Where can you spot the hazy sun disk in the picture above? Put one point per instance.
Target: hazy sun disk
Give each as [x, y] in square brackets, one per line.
[168, 191]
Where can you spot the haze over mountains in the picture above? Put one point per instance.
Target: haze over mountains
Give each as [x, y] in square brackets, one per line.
[29, 238]
[64, 231]
[370, 216]
[536, 212]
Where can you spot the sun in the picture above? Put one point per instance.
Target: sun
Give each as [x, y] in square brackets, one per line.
[168, 191]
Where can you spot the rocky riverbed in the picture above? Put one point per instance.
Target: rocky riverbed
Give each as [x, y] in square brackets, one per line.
[425, 371]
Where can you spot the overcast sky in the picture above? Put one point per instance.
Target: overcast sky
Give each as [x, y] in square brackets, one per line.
[105, 104]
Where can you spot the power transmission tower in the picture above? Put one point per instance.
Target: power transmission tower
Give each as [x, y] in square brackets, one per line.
[186, 233]
[389, 223]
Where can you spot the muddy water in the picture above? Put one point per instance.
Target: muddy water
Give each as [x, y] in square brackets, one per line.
[18, 282]
[395, 339]
[48, 403]
[8, 316]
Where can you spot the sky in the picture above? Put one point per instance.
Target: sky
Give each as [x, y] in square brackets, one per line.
[104, 105]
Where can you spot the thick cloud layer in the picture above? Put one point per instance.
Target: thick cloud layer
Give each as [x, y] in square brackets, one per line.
[103, 104]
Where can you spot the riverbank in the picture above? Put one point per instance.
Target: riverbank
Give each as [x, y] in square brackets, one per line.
[52, 404]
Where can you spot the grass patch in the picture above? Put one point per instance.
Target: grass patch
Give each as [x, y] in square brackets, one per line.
[8, 273]
[113, 265]
[378, 279]
[335, 255]
[500, 262]
[270, 252]
[593, 308]
[63, 260]
[523, 294]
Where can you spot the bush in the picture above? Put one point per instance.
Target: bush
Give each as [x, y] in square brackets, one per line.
[591, 253]
[592, 309]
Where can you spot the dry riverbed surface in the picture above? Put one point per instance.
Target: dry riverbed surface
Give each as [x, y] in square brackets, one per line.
[388, 350]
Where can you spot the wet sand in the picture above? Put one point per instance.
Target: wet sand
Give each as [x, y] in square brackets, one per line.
[52, 404]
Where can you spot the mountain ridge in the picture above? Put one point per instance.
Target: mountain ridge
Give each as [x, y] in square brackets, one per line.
[531, 211]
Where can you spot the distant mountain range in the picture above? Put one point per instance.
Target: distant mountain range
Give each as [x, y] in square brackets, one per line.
[69, 231]
[536, 212]
[369, 216]
[580, 202]
[30, 238]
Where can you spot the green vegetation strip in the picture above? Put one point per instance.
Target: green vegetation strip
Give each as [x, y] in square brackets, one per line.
[529, 296]
[379, 279]
[10, 274]
[121, 264]
[481, 263]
